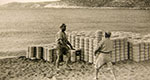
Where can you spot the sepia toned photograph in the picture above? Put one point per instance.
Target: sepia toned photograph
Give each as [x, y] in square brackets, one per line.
[74, 39]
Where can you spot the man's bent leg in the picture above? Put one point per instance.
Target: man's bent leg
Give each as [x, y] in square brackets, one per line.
[58, 58]
[96, 73]
[68, 58]
[97, 70]
[111, 69]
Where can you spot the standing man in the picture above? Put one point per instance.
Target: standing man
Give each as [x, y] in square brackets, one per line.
[102, 53]
[63, 45]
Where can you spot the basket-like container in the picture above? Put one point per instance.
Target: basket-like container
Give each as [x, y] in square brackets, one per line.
[28, 52]
[40, 52]
[136, 52]
[45, 48]
[77, 42]
[51, 57]
[73, 40]
[120, 49]
[86, 49]
[31, 52]
[91, 50]
[73, 55]
[54, 51]
[45, 53]
[146, 50]
[82, 47]
[139, 51]
[130, 50]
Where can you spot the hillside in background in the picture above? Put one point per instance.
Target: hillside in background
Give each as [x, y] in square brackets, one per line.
[33, 4]
[110, 3]
[80, 3]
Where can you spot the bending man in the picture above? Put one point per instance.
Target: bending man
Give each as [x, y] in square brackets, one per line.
[103, 52]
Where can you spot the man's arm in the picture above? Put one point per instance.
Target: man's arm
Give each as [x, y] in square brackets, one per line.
[98, 48]
[70, 45]
[59, 41]
[96, 51]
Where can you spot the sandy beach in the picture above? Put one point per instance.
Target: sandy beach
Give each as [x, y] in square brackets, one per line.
[21, 68]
